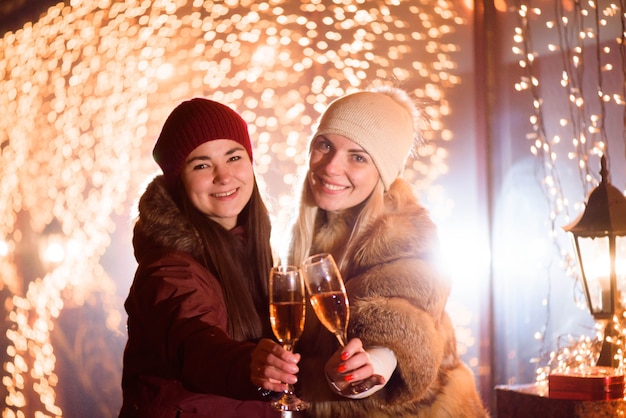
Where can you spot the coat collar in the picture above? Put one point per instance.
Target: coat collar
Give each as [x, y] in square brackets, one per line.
[161, 224]
[404, 229]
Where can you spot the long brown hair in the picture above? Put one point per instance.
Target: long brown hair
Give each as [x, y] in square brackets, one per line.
[241, 266]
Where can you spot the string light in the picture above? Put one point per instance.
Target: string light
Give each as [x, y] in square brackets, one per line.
[583, 37]
[86, 89]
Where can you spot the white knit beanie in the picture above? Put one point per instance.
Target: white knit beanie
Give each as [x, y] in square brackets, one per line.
[379, 124]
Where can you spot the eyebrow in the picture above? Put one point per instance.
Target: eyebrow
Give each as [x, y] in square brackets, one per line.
[207, 158]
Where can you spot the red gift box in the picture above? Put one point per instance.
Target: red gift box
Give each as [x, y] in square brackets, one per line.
[597, 383]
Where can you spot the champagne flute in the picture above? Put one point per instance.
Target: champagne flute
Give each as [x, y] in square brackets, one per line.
[287, 313]
[327, 294]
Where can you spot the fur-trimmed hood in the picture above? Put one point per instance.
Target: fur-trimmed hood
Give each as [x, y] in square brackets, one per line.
[161, 225]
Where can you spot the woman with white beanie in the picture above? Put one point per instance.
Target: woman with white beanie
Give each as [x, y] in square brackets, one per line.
[355, 205]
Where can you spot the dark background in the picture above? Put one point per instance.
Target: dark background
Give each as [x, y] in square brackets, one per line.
[15, 13]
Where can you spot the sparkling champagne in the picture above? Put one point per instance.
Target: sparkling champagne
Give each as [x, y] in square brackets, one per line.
[332, 310]
[287, 320]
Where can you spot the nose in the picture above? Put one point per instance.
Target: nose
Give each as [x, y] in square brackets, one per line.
[222, 174]
[332, 164]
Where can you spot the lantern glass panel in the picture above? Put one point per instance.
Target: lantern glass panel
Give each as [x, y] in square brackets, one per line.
[596, 264]
[620, 267]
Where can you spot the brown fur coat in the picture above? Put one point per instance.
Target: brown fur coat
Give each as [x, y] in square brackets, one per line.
[397, 300]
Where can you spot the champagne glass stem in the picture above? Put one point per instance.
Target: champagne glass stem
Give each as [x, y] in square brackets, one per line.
[289, 400]
[289, 391]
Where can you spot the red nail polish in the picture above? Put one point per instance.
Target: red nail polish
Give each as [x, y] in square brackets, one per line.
[341, 368]
[344, 355]
[348, 378]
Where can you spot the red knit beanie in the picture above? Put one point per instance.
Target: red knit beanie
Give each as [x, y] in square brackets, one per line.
[192, 123]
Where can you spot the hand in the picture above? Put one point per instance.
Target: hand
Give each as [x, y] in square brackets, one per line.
[349, 365]
[272, 367]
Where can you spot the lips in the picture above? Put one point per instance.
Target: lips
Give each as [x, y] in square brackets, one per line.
[327, 186]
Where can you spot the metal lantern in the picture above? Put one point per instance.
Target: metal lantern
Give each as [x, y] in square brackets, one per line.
[599, 236]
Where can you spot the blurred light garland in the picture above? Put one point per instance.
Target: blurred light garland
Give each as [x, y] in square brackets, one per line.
[572, 126]
[85, 90]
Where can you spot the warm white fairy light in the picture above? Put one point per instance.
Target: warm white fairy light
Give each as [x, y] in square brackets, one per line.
[85, 90]
[574, 34]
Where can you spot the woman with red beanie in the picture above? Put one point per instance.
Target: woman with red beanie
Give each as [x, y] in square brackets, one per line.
[198, 318]
[356, 206]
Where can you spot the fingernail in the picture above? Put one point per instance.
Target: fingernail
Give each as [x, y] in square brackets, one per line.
[348, 378]
[342, 368]
[344, 355]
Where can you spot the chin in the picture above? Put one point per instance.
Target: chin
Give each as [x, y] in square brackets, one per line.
[329, 207]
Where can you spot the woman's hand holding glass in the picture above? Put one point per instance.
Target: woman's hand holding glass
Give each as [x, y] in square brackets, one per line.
[350, 367]
[272, 367]
[330, 303]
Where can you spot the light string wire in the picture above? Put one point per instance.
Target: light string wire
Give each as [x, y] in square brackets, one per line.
[576, 43]
[541, 147]
[622, 51]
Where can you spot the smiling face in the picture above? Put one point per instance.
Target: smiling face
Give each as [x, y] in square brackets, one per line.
[218, 179]
[341, 173]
